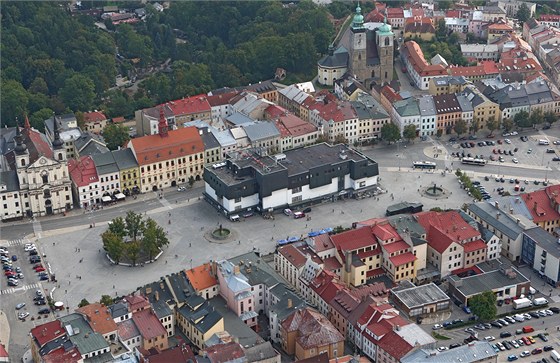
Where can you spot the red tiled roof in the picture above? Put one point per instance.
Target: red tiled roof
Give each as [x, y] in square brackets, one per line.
[384, 232]
[119, 119]
[224, 352]
[394, 345]
[450, 223]
[189, 106]
[201, 277]
[330, 291]
[375, 272]
[418, 62]
[293, 255]
[344, 302]
[395, 246]
[539, 205]
[335, 110]
[354, 239]
[474, 245]
[137, 302]
[178, 354]
[366, 254]
[61, 355]
[322, 243]
[549, 17]
[221, 99]
[148, 324]
[331, 264]
[47, 332]
[99, 318]
[402, 259]
[314, 330]
[453, 14]
[94, 116]
[499, 26]
[83, 171]
[393, 13]
[274, 111]
[127, 329]
[291, 125]
[376, 289]
[153, 148]
[390, 94]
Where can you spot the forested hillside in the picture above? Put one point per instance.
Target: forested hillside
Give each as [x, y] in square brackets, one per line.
[53, 61]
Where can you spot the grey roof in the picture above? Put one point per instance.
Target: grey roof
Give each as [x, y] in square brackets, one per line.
[478, 351]
[488, 213]
[86, 339]
[264, 274]
[281, 308]
[161, 308]
[238, 118]
[10, 179]
[420, 295]
[63, 121]
[406, 222]
[105, 163]
[209, 140]
[261, 131]
[367, 107]
[225, 138]
[260, 352]
[232, 324]
[200, 313]
[119, 309]
[479, 48]
[474, 285]
[545, 240]
[93, 148]
[427, 106]
[181, 286]
[338, 59]
[7, 142]
[464, 103]
[407, 107]
[125, 159]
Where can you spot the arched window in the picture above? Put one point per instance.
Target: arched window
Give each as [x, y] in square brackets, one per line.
[387, 41]
[22, 162]
[59, 156]
[373, 73]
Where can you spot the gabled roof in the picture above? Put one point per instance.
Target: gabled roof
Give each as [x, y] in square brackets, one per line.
[95, 116]
[415, 56]
[224, 352]
[83, 171]
[155, 148]
[99, 318]
[44, 333]
[354, 239]
[540, 206]
[314, 330]
[148, 324]
[187, 106]
[201, 277]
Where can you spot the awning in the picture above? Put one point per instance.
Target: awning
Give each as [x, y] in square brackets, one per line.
[106, 198]
[120, 196]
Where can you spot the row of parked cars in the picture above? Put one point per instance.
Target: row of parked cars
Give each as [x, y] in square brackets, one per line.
[12, 273]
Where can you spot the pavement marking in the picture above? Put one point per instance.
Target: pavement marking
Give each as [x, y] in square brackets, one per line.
[15, 242]
[22, 288]
[37, 229]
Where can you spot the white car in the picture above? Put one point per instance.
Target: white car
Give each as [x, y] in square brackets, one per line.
[524, 354]
[515, 161]
[513, 133]
[507, 141]
[441, 349]
[489, 339]
[24, 315]
[31, 247]
[437, 326]
[181, 189]
[549, 312]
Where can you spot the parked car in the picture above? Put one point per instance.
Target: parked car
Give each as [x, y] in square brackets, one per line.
[23, 315]
[437, 326]
[20, 306]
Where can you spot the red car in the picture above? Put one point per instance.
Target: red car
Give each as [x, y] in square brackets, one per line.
[39, 269]
[10, 273]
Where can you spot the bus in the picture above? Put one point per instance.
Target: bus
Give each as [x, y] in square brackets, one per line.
[473, 161]
[424, 165]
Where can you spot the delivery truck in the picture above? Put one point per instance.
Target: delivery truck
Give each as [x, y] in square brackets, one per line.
[540, 301]
[522, 303]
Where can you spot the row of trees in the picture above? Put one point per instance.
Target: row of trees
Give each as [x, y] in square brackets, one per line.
[133, 237]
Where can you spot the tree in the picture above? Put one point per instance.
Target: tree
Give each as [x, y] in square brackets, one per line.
[507, 124]
[441, 29]
[550, 117]
[115, 135]
[460, 127]
[83, 303]
[521, 119]
[444, 4]
[118, 227]
[134, 225]
[491, 124]
[191, 181]
[409, 132]
[536, 117]
[14, 100]
[78, 93]
[106, 300]
[523, 13]
[439, 132]
[114, 245]
[390, 132]
[484, 305]
[132, 251]
[154, 238]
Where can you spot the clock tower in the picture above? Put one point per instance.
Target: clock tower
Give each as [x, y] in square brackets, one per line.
[358, 46]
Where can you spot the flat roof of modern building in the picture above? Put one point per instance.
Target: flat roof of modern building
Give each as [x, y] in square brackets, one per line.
[477, 351]
[488, 281]
[545, 240]
[420, 295]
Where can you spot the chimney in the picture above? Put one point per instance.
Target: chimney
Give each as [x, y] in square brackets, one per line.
[236, 269]
[498, 215]
[348, 261]
[289, 303]
[517, 221]
[156, 295]
[510, 210]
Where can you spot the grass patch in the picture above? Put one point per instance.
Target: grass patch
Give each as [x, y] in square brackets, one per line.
[439, 336]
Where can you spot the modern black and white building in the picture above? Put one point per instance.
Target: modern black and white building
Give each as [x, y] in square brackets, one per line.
[253, 180]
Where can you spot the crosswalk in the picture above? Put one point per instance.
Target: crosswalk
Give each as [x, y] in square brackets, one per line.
[15, 242]
[20, 288]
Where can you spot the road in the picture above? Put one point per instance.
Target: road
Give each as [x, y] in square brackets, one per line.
[73, 249]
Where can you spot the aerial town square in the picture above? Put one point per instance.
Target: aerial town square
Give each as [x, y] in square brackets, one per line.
[282, 181]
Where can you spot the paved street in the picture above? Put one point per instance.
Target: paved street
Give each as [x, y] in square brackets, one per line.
[59, 237]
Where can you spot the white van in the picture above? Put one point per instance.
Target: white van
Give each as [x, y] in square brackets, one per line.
[555, 356]
[543, 142]
[234, 218]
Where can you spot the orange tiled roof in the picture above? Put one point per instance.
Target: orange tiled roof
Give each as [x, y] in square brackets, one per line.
[201, 277]
[418, 62]
[94, 116]
[539, 205]
[99, 318]
[153, 148]
[474, 245]
[191, 105]
[499, 26]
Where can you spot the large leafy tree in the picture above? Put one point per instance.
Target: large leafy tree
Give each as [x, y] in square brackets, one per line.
[484, 305]
[14, 101]
[491, 124]
[390, 132]
[550, 117]
[78, 92]
[118, 227]
[114, 245]
[460, 127]
[135, 225]
[523, 13]
[536, 117]
[154, 238]
[115, 135]
[521, 119]
[409, 132]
